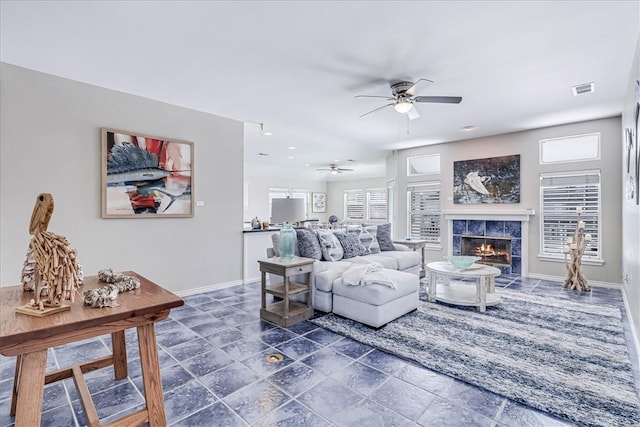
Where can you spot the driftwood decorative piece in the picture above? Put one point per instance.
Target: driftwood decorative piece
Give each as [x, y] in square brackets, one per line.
[574, 249]
[51, 267]
[105, 296]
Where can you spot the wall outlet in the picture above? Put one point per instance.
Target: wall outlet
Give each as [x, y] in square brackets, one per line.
[199, 203]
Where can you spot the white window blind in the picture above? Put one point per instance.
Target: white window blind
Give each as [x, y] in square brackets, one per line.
[377, 204]
[560, 195]
[424, 220]
[369, 204]
[354, 204]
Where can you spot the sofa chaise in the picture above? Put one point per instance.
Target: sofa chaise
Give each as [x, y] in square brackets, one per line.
[335, 251]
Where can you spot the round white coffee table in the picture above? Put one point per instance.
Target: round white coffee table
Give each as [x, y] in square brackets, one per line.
[460, 293]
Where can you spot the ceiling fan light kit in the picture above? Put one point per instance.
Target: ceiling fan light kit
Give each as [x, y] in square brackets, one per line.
[403, 97]
[403, 106]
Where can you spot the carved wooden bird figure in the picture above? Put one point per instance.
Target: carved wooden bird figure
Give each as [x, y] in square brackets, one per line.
[55, 274]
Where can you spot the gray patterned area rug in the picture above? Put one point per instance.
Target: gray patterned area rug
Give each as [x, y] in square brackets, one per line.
[566, 358]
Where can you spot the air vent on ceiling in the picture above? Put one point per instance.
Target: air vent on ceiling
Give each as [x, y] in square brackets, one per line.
[584, 88]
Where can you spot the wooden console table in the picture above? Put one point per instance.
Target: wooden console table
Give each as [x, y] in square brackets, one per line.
[416, 244]
[29, 338]
[286, 313]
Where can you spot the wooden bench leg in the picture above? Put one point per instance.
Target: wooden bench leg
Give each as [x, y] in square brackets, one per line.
[119, 349]
[30, 382]
[16, 381]
[151, 375]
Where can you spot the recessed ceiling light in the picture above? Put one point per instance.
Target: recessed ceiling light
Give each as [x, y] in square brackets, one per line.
[290, 157]
[336, 160]
[267, 133]
[468, 128]
[291, 148]
[583, 88]
[307, 164]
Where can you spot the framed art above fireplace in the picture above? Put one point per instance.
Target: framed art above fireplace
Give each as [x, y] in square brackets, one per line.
[492, 180]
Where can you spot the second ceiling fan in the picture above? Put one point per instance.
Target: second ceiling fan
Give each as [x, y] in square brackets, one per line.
[404, 96]
[334, 169]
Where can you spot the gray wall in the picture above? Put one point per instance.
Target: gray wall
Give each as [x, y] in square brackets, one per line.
[50, 142]
[526, 144]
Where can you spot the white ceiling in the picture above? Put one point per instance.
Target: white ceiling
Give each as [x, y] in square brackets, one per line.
[295, 66]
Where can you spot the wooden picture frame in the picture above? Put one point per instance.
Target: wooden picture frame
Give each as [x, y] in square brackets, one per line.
[318, 202]
[146, 176]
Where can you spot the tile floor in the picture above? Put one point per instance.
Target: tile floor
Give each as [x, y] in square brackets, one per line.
[214, 373]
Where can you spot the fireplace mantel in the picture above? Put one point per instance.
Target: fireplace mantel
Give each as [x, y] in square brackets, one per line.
[489, 214]
[484, 214]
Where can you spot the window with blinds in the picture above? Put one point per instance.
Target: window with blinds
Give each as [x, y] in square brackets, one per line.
[377, 204]
[423, 200]
[361, 205]
[354, 204]
[560, 195]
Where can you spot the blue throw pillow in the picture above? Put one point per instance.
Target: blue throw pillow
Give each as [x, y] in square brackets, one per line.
[308, 244]
[384, 237]
[350, 245]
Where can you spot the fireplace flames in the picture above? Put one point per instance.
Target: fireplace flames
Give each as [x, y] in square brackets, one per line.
[498, 252]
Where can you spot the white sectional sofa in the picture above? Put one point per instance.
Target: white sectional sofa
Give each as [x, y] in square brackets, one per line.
[380, 249]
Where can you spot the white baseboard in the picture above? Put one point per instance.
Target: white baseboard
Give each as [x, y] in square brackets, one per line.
[634, 332]
[208, 288]
[594, 283]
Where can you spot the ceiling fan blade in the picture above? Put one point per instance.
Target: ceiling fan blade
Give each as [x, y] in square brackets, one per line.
[413, 113]
[379, 108]
[375, 96]
[418, 86]
[345, 170]
[439, 99]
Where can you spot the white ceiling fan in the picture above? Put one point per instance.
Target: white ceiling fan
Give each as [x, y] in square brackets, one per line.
[334, 169]
[404, 97]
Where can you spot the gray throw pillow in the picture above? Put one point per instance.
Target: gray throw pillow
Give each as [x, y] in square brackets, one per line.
[308, 244]
[384, 237]
[330, 245]
[350, 245]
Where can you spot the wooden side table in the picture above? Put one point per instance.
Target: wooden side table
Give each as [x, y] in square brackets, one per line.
[286, 312]
[416, 244]
[29, 337]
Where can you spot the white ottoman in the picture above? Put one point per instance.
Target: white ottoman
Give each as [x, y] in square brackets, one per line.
[376, 305]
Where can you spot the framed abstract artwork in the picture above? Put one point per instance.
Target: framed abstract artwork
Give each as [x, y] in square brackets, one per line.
[490, 180]
[318, 202]
[146, 176]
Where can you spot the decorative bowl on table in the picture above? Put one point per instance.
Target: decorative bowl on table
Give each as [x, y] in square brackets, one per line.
[462, 262]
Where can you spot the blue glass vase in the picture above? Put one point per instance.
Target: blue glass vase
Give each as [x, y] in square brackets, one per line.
[287, 242]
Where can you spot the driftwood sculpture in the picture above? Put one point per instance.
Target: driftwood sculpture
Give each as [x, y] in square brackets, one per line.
[51, 269]
[574, 249]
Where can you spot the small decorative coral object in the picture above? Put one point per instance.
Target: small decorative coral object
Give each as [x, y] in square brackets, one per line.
[574, 249]
[51, 268]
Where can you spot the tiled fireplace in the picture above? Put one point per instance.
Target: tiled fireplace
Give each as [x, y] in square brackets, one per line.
[499, 237]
